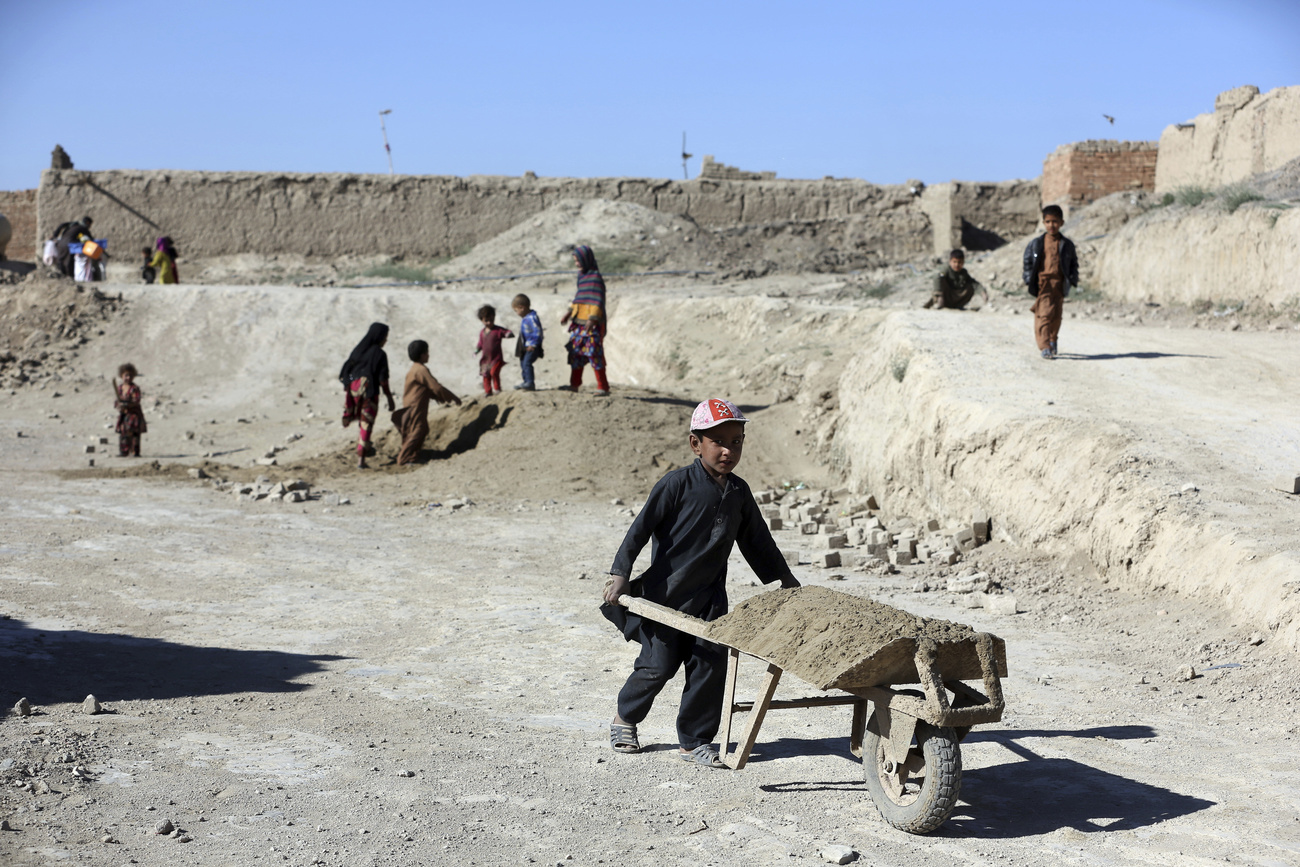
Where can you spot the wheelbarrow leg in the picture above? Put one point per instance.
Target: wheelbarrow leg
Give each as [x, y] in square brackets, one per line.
[859, 726]
[761, 704]
[729, 701]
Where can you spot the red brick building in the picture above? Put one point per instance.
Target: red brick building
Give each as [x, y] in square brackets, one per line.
[1082, 172]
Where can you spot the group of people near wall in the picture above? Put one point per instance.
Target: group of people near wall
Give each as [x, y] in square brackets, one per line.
[365, 373]
[76, 253]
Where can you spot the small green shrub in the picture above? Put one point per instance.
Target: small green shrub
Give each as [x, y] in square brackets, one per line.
[1167, 199]
[880, 289]
[1086, 294]
[398, 272]
[1234, 196]
[620, 262]
[898, 367]
[1192, 195]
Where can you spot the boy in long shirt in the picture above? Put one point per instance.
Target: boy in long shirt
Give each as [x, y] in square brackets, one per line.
[693, 515]
[1051, 268]
[413, 418]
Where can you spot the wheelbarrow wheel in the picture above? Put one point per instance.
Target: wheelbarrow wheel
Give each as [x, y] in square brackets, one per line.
[919, 795]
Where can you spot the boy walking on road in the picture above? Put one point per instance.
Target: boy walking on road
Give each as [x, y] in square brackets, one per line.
[692, 517]
[1051, 268]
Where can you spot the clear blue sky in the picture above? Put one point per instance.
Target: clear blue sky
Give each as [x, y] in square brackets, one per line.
[882, 91]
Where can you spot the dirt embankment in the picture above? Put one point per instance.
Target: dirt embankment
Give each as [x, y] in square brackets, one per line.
[1150, 451]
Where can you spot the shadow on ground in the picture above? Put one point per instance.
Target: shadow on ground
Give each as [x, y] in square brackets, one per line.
[1141, 356]
[1026, 798]
[51, 667]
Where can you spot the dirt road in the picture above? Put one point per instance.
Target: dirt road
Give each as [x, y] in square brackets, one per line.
[271, 670]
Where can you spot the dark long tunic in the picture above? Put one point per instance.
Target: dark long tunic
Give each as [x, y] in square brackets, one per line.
[691, 523]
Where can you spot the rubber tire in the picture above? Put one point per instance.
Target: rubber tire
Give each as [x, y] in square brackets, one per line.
[938, 795]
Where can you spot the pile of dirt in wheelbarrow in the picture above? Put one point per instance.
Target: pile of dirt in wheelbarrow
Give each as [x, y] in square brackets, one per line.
[822, 635]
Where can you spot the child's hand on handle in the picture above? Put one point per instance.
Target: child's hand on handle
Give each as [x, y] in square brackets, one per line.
[616, 587]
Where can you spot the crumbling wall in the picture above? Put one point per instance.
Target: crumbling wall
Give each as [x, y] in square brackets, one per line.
[1083, 172]
[980, 216]
[19, 206]
[325, 215]
[1248, 133]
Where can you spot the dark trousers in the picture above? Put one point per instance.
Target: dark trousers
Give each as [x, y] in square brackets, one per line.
[663, 651]
[526, 366]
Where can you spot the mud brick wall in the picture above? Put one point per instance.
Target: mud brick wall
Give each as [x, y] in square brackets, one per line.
[228, 213]
[1081, 173]
[20, 207]
[326, 215]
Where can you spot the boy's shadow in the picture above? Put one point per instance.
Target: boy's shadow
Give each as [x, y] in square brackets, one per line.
[1115, 356]
[490, 417]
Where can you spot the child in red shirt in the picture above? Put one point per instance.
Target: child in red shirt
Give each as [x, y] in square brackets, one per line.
[489, 344]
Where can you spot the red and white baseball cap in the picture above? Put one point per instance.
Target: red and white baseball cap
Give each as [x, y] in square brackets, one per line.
[713, 412]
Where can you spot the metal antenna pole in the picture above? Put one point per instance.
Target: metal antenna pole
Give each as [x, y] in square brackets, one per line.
[685, 157]
[384, 130]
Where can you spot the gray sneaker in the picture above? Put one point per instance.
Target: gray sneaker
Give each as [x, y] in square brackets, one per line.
[523, 386]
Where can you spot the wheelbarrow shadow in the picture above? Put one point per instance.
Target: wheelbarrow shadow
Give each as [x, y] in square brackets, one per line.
[1038, 795]
[1026, 798]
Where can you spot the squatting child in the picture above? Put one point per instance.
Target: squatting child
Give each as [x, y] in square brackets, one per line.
[954, 287]
[489, 344]
[693, 516]
[413, 418]
[528, 348]
[1051, 268]
[130, 415]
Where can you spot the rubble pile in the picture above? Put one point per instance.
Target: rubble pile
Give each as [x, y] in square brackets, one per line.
[847, 531]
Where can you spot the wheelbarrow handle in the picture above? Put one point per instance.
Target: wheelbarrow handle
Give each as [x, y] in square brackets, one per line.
[663, 614]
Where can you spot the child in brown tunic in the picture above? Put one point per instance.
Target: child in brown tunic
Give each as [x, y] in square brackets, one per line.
[413, 418]
[1051, 268]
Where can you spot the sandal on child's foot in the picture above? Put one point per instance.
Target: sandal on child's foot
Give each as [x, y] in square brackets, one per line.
[623, 739]
[704, 754]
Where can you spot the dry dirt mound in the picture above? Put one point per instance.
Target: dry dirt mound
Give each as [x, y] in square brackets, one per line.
[631, 238]
[43, 319]
[519, 445]
[820, 634]
[626, 237]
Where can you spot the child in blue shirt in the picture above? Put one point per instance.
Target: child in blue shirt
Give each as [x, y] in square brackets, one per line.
[528, 348]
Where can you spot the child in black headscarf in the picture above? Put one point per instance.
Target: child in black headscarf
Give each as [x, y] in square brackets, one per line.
[363, 375]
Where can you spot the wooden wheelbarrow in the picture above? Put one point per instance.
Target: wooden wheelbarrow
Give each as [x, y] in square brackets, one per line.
[908, 740]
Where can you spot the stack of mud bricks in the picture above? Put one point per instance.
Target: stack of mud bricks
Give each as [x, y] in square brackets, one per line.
[717, 171]
[846, 531]
[1081, 173]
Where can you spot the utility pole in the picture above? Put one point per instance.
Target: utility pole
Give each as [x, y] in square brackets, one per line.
[384, 130]
[685, 157]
